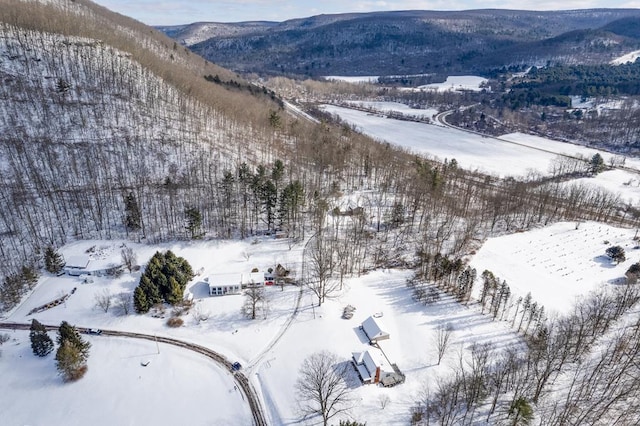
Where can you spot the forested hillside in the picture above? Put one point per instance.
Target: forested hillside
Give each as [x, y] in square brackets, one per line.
[415, 42]
[111, 130]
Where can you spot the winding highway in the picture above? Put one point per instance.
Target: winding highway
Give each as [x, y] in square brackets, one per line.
[241, 380]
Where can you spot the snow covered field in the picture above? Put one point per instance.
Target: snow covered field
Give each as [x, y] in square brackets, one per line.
[629, 57]
[176, 387]
[457, 83]
[387, 107]
[497, 156]
[557, 264]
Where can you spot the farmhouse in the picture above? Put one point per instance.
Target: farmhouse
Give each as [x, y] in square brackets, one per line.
[76, 265]
[85, 265]
[224, 284]
[368, 368]
[374, 330]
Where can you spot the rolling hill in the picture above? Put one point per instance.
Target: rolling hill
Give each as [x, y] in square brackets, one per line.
[410, 42]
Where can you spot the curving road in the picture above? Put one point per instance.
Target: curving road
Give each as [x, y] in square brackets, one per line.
[242, 381]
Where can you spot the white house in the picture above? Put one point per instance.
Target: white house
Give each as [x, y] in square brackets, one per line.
[369, 368]
[374, 330]
[224, 284]
[86, 265]
[252, 279]
[77, 265]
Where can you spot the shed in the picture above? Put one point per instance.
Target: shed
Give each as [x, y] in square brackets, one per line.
[374, 330]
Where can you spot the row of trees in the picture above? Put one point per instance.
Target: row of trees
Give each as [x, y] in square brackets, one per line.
[505, 384]
[72, 354]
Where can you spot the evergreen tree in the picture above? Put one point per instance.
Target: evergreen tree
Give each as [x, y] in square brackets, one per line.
[633, 273]
[69, 333]
[193, 222]
[522, 412]
[53, 261]
[140, 302]
[133, 217]
[72, 355]
[70, 362]
[165, 278]
[29, 275]
[616, 253]
[269, 197]
[41, 343]
[175, 293]
[291, 201]
[150, 290]
[596, 165]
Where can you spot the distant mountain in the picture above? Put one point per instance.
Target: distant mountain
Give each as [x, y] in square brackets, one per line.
[411, 42]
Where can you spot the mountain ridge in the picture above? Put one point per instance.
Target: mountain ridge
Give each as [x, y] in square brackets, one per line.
[409, 42]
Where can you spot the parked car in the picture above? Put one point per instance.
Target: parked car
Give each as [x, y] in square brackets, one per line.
[95, 331]
[236, 366]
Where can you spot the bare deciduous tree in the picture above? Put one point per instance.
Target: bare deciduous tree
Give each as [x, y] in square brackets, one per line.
[319, 263]
[443, 336]
[199, 314]
[255, 302]
[123, 302]
[129, 258]
[321, 386]
[384, 400]
[103, 299]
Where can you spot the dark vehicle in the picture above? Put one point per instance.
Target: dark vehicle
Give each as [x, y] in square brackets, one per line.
[236, 366]
[95, 331]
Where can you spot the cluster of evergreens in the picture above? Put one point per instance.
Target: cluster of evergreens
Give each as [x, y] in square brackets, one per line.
[521, 98]
[164, 280]
[584, 80]
[261, 92]
[72, 353]
[14, 286]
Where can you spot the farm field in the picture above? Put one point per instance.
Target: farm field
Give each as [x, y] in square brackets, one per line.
[497, 156]
[559, 263]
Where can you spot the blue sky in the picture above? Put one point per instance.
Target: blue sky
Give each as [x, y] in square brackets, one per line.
[168, 12]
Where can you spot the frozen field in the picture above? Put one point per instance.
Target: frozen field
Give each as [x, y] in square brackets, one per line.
[510, 155]
[558, 263]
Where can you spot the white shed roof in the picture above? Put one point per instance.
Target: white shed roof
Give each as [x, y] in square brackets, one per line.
[78, 262]
[374, 329]
[219, 280]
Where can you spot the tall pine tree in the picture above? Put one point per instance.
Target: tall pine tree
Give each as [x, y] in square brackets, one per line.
[53, 261]
[41, 343]
[72, 355]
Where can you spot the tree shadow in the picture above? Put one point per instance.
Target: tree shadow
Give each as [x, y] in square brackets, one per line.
[605, 261]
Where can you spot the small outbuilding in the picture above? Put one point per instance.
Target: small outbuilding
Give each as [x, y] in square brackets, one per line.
[374, 330]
